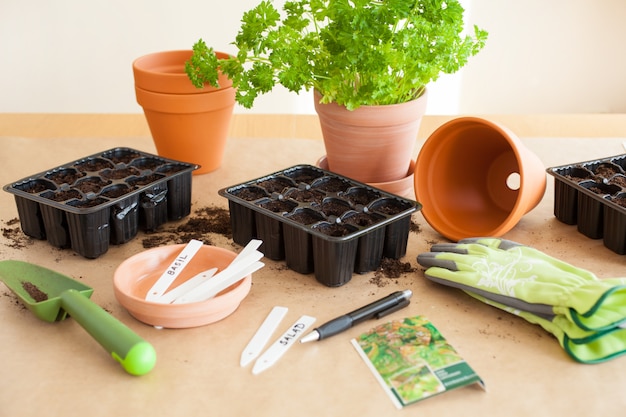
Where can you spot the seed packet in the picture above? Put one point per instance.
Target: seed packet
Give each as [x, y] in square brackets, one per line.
[412, 360]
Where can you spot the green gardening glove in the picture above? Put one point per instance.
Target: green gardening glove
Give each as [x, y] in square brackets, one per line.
[582, 345]
[521, 277]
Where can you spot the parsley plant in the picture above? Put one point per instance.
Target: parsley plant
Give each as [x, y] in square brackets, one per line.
[354, 52]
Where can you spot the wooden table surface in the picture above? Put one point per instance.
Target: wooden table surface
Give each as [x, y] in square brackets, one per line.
[56, 369]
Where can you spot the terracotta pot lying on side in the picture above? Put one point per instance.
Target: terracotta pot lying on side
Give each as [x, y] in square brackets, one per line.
[475, 178]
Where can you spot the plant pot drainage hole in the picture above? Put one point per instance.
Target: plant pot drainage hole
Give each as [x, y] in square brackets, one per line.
[513, 181]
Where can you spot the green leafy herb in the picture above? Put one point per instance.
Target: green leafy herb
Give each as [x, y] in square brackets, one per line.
[354, 52]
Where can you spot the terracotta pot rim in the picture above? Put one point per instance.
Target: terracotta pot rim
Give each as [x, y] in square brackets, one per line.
[186, 103]
[183, 95]
[149, 73]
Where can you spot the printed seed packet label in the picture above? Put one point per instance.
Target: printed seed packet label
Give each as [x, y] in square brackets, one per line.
[412, 360]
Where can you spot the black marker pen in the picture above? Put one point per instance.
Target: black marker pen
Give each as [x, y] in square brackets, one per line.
[375, 310]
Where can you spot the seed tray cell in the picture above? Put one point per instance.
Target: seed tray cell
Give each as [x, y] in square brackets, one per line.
[592, 196]
[320, 222]
[102, 199]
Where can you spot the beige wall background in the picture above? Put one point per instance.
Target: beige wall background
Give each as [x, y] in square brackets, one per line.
[548, 56]
[543, 56]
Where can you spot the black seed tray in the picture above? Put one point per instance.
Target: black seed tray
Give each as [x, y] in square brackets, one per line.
[320, 222]
[102, 198]
[592, 195]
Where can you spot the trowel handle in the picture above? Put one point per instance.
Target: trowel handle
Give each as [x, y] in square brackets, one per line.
[135, 354]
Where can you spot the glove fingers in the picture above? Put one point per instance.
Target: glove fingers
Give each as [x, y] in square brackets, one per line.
[457, 260]
[433, 258]
[429, 259]
[448, 247]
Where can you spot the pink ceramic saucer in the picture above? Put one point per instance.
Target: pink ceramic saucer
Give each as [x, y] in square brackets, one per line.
[136, 275]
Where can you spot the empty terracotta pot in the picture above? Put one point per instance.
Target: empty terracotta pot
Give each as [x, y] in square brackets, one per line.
[475, 178]
[187, 124]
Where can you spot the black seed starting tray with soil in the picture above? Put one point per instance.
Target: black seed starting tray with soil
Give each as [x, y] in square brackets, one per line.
[592, 195]
[320, 222]
[102, 198]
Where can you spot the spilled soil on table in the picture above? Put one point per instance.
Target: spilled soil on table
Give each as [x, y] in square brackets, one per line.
[390, 270]
[200, 225]
[12, 232]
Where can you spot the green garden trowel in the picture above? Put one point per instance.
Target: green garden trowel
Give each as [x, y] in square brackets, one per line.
[51, 296]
